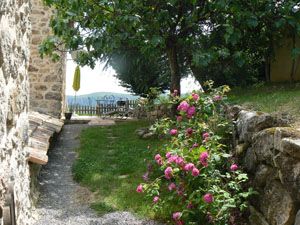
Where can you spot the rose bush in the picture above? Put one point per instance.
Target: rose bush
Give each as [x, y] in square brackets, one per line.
[195, 180]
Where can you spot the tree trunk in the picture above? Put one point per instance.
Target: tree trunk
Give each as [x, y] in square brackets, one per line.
[267, 69]
[293, 71]
[174, 67]
[175, 72]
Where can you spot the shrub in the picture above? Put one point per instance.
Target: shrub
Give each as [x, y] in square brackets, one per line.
[195, 180]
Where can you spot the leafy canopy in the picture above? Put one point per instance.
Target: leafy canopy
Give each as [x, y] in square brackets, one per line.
[100, 28]
[139, 73]
[189, 33]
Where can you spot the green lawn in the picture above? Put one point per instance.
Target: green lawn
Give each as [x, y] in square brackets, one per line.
[284, 98]
[111, 163]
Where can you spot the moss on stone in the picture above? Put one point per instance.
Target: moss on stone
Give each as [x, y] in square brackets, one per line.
[259, 113]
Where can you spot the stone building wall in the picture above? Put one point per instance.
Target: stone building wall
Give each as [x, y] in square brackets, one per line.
[269, 150]
[47, 78]
[14, 88]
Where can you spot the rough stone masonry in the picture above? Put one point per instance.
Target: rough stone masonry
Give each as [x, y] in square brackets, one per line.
[269, 149]
[15, 35]
[27, 83]
[47, 78]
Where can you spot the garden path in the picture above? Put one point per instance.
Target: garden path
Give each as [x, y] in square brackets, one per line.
[63, 201]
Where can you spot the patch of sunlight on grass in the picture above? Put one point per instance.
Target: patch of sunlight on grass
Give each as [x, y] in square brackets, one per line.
[96, 177]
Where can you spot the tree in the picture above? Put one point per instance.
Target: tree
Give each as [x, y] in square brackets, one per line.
[239, 45]
[138, 73]
[163, 28]
[189, 33]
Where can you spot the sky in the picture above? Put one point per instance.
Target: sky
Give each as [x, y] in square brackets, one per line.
[100, 80]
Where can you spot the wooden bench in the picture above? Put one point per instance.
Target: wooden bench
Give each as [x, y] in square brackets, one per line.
[41, 128]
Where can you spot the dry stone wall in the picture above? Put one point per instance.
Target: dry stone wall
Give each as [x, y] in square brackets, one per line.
[47, 78]
[270, 152]
[157, 112]
[14, 88]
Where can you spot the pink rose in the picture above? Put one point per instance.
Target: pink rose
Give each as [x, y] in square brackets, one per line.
[208, 198]
[172, 158]
[209, 218]
[172, 186]
[190, 205]
[176, 215]
[179, 222]
[195, 145]
[160, 162]
[175, 93]
[217, 98]
[180, 193]
[189, 131]
[146, 176]
[203, 158]
[157, 157]
[195, 96]
[189, 167]
[149, 167]
[183, 106]
[139, 189]
[191, 111]
[205, 135]
[173, 132]
[234, 167]
[155, 199]
[179, 118]
[168, 173]
[179, 161]
[195, 172]
[168, 155]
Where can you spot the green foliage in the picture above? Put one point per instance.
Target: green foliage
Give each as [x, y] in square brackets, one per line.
[148, 103]
[138, 73]
[232, 70]
[241, 43]
[101, 28]
[195, 178]
[196, 35]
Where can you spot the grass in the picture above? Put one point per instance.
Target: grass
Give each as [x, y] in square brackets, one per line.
[280, 98]
[111, 163]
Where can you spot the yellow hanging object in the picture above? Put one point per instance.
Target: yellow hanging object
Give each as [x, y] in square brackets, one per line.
[76, 79]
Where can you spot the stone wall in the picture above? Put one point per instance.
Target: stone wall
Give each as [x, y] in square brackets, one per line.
[157, 112]
[269, 150]
[47, 78]
[14, 88]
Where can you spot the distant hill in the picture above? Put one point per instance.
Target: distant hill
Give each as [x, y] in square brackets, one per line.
[90, 99]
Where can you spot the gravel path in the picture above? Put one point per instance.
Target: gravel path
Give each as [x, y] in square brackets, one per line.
[62, 201]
